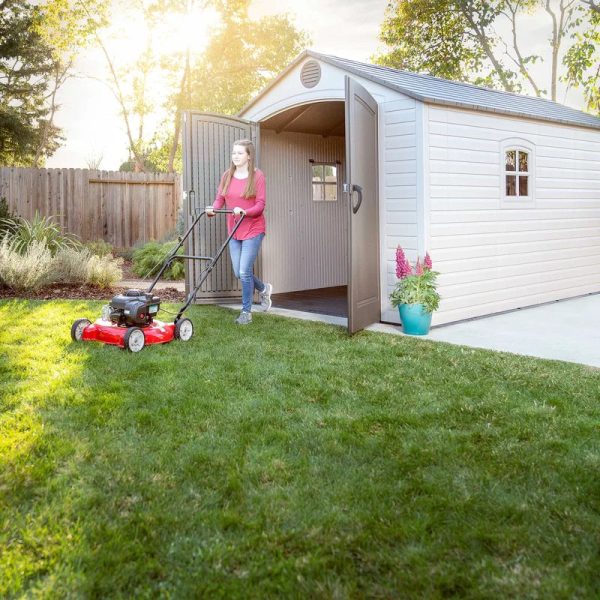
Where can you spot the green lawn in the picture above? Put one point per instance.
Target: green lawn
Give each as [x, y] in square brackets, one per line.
[286, 460]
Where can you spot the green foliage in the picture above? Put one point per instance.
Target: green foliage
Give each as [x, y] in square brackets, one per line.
[23, 233]
[99, 247]
[104, 271]
[582, 60]
[25, 270]
[7, 218]
[459, 40]
[417, 289]
[148, 259]
[445, 38]
[243, 55]
[289, 460]
[27, 67]
[36, 267]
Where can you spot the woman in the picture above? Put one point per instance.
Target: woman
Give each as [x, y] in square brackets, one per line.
[242, 189]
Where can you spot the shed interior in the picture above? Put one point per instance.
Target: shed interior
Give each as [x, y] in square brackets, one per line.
[305, 251]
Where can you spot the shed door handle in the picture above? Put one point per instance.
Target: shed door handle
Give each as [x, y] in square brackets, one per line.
[358, 190]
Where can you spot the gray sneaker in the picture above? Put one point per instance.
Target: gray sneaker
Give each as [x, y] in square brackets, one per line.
[265, 297]
[244, 319]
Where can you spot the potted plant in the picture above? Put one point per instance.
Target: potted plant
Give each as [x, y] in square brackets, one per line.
[415, 294]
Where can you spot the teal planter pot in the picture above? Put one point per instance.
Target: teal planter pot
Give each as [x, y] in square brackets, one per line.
[415, 319]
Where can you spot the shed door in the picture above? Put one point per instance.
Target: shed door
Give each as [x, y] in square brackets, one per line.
[207, 143]
[364, 305]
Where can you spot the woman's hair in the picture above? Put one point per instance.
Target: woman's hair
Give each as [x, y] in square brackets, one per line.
[250, 191]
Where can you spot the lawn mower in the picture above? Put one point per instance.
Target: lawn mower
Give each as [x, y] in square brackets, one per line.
[129, 320]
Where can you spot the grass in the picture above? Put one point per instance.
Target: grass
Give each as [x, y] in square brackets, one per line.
[285, 459]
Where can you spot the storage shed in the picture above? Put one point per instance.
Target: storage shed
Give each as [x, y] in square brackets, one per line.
[503, 190]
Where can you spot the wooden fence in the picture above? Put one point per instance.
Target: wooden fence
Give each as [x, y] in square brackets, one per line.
[120, 208]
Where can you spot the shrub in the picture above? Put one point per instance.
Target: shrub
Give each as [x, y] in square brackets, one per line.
[104, 271]
[99, 247]
[71, 265]
[148, 259]
[7, 218]
[41, 229]
[26, 271]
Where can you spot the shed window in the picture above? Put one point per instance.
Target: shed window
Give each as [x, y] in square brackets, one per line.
[324, 181]
[517, 173]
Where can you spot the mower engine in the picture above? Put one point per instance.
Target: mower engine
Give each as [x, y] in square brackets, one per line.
[134, 307]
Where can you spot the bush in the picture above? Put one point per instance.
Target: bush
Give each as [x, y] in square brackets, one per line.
[7, 218]
[104, 271]
[148, 259]
[71, 265]
[99, 247]
[81, 266]
[28, 271]
[23, 233]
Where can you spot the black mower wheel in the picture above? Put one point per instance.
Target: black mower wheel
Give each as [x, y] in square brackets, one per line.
[134, 339]
[184, 330]
[77, 329]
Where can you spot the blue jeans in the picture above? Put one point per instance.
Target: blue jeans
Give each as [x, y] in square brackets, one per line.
[243, 254]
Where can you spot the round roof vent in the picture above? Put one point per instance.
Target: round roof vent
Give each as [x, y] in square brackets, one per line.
[310, 74]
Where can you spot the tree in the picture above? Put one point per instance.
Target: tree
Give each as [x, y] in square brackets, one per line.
[583, 59]
[26, 68]
[65, 26]
[458, 39]
[243, 55]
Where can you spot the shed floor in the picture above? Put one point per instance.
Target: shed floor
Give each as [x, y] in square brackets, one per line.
[324, 301]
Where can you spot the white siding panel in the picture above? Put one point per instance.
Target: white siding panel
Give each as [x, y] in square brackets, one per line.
[511, 270]
[401, 141]
[401, 191]
[401, 166]
[398, 196]
[400, 116]
[567, 228]
[493, 258]
[514, 215]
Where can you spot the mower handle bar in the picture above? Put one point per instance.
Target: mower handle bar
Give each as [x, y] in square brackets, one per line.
[211, 260]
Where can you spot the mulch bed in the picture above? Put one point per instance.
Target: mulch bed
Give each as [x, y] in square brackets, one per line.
[63, 291]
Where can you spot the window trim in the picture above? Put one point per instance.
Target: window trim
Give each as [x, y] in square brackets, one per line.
[518, 145]
[325, 163]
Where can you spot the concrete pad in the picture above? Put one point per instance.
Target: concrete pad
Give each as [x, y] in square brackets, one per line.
[568, 330]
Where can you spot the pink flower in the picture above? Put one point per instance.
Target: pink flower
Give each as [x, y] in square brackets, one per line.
[428, 263]
[419, 267]
[402, 265]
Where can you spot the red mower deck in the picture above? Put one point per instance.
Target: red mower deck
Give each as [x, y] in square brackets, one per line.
[108, 333]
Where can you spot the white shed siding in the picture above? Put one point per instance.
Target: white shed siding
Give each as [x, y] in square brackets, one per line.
[492, 257]
[399, 194]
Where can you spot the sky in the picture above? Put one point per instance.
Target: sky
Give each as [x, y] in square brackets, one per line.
[89, 113]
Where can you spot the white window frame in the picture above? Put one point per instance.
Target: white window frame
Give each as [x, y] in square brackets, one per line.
[325, 184]
[518, 145]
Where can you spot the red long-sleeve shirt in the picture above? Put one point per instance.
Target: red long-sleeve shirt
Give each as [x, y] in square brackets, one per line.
[254, 222]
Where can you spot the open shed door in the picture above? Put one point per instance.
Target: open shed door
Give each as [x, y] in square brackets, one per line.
[364, 305]
[207, 143]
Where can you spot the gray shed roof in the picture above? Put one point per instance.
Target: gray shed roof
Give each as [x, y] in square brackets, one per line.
[452, 93]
